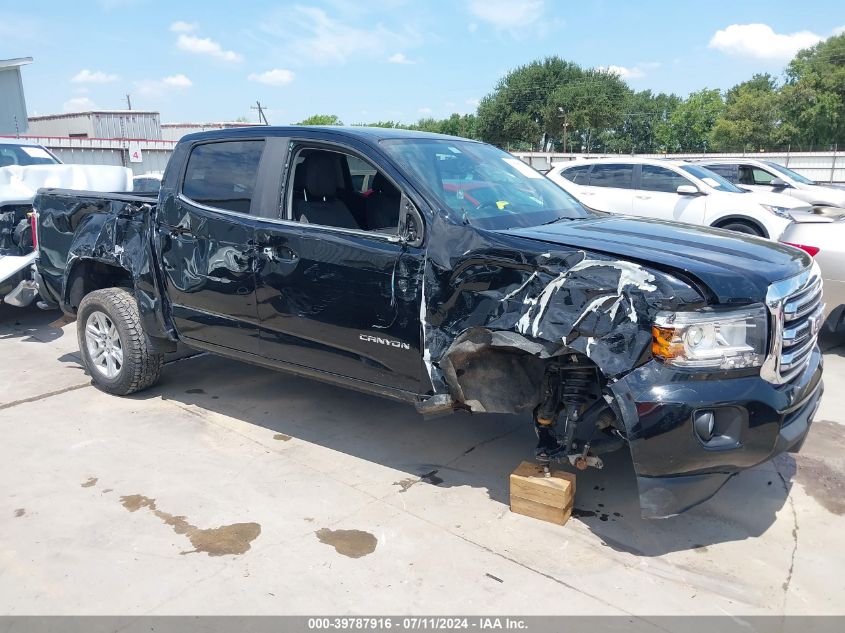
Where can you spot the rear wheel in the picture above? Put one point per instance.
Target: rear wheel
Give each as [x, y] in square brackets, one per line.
[739, 226]
[114, 347]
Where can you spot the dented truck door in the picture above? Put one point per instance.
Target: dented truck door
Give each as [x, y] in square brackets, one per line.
[205, 238]
[344, 301]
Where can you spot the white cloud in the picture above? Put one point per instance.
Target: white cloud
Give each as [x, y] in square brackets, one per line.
[472, 27]
[206, 46]
[399, 58]
[79, 104]
[158, 87]
[177, 81]
[424, 110]
[761, 42]
[622, 71]
[183, 27]
[506, 14]
[274, 77]
[93, 77]
[472, 102]
[312, 36]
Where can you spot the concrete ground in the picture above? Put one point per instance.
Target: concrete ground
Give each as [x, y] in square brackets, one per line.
[233, 489]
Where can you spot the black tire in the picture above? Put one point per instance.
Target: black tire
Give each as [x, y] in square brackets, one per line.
[738, 226]
[141, 367]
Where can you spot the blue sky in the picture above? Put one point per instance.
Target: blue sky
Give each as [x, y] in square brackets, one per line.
[385, 59]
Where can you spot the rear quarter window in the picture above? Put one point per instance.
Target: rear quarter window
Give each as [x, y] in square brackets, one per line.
[580, 175]
[223, 175]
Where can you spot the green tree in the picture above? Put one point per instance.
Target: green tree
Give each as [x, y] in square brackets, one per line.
[689, 126]
[321, 119]
[751, 118]
[519, 113]
[645, 113]
[589, 105]
[813, 97]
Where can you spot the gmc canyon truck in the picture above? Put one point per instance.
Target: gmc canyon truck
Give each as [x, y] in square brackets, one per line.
[447, 273]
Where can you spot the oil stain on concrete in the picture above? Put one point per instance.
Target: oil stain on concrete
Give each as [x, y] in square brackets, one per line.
[221, 541]
[281, 437]
[820, 467]
[92, 481]
[20, 512]
[351, 543]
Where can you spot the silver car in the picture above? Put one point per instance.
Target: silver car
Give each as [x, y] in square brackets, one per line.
[769, 176]
[821, 233]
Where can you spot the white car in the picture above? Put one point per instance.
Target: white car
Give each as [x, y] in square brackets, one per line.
[821, 233]
[673, 190]
[24, 168]
[768, 176]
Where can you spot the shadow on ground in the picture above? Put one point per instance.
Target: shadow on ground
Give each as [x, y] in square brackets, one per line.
[31, 324]
[467, 450]
[457, 450]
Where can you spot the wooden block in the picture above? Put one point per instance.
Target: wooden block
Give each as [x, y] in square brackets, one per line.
[545, 498]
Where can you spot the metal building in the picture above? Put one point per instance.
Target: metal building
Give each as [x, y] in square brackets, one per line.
[175, 131]
[134, 124]
[12, 103]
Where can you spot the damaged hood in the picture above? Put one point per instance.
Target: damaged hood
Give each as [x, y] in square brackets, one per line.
[736, 268]
[19, 183]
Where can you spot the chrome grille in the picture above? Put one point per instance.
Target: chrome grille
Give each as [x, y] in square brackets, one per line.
[796, 310]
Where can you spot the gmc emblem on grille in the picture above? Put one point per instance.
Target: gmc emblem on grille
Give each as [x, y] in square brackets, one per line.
[369, 338]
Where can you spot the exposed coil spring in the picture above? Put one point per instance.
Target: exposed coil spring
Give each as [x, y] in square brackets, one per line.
[576, 386]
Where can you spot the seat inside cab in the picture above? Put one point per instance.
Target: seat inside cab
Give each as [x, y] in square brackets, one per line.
[340, 190]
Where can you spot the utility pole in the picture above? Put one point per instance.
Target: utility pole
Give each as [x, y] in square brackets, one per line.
[565, 118]
[128, 102]
[261, 117]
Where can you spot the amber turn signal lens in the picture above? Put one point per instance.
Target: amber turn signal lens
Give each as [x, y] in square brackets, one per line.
[664, 344]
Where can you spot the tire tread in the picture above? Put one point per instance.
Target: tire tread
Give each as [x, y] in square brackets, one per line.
[143, 365]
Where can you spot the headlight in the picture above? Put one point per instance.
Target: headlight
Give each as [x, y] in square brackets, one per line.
[713, 340]
[781, 211]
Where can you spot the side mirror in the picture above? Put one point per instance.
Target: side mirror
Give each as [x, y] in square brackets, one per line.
[779, 182]
[688, 190]
[411, 227]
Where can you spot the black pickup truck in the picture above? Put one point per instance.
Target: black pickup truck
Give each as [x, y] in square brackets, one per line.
[446, 273]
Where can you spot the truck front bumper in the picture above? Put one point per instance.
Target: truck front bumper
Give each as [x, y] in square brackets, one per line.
[753, 421]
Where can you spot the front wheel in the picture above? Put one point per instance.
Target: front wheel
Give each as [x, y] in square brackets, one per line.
[739, 226]
[115, 350]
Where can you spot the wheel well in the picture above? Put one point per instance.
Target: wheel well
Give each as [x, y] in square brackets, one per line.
[741, 219]
[88, 276]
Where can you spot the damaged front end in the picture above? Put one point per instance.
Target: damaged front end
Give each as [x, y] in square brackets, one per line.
[566, 334]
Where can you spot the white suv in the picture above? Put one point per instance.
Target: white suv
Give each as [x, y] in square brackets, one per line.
[673, 190]
[768, 176]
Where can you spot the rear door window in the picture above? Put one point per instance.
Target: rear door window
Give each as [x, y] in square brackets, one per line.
[223, 175]
[612, 175]
[654, 178]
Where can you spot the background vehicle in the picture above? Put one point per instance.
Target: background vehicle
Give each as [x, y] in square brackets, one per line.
[770, 177]
[24, 167]
[673, 190]
[462, 279]
[147, 183]
[822, 235]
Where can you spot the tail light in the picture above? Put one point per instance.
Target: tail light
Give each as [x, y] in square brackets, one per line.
[810, 250]
[33, 223]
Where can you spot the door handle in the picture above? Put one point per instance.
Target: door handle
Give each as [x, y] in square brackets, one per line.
[643, 197]
[280, 254]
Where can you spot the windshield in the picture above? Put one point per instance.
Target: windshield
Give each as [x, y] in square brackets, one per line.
[25, 155]
[712, 179]
[482, 185]
[788, 172]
